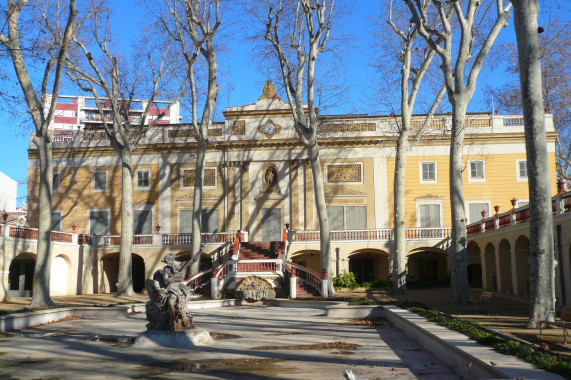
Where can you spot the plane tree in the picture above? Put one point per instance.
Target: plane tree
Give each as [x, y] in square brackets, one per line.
[297, 44]
[117, 84]
[462, 44]
[35, 40]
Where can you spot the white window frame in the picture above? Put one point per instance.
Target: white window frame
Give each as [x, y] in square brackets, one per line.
[137, 187]
[144, 207]
[60, 219]
[89, 210]
[435, 180]
[342, 164]
[472, 179]
[520, 178]
[433, 201]
[467, 210]
[204, 187]
[106, 180]
[518, 203]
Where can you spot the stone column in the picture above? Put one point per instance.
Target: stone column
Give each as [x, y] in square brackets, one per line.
[498, 271]
[293, 283]
[514, 271]
[245, 194]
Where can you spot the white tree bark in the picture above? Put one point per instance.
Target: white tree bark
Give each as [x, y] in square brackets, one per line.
[53, 58]
[193, 25]
[106, 75]
[460, 89]
[407, 101]
[541, 250]
[310, 31]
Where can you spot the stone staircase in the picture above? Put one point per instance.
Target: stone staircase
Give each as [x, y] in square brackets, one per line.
[257, 251]
[305, 290]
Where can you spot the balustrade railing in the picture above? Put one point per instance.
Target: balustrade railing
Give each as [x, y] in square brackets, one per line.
[560, 204]
[23, 233]
[306, 275]
[62, 237]
[256, 266]
[428, 233]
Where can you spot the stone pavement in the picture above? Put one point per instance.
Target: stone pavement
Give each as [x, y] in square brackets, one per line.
[252, 344]
[508, 315]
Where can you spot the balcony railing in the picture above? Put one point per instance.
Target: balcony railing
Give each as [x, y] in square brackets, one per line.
[379, 234]
[560, 204]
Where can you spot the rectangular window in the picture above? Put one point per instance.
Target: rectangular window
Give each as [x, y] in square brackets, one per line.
[476, 171]
[522, 170]
[428, 172]
[336, 218]
[55, 182]
[347, 217]
[143, 222]
[99, 180]
[143, 179]
[475, 211]
[271, 224]
[99, 222]
[209, 221]
[355, 218]
[429, 215]
[56, 221]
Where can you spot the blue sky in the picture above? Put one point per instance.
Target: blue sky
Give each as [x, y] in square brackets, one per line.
[247, 80]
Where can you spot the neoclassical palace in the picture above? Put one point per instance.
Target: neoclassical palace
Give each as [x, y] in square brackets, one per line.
[258, 180]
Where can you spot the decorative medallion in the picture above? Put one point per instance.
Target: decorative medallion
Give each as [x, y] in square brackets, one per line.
[269, 92]
[239, 128]
[344, 173]
[428, 196]
[269, 128]
[270, 180]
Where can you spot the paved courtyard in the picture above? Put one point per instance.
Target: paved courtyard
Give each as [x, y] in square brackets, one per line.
[252, 342]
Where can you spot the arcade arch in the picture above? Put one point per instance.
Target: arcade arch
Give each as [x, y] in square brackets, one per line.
[21, 275]
[111, 272]
[427, 265]
[522, 265]
[59, 276]
[474, 261]
[490, 263]
[369, 265]
[505, 269]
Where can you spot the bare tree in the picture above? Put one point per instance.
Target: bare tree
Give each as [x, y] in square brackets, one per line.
[556, 81]
[542, 262]
[410, 84]
[460, 75]
[193, 25]
[309, 32]
[109, 74]
[51, 57]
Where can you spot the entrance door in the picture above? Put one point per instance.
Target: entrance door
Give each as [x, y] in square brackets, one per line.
[21, 274]
[362, 268]
[271, 224]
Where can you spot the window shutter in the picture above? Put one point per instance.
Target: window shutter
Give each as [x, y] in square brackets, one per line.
[184, 221]
[356, 217]
[336, 218]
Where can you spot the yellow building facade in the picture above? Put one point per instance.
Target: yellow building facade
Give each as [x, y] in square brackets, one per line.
[258, 179]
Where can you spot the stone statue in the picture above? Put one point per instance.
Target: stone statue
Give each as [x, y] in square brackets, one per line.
[167, 308]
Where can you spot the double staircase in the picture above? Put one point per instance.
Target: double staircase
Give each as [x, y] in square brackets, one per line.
[263, 259]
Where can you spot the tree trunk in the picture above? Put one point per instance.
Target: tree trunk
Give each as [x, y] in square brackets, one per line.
[197, 206]
[41, 281]
[399, 255]
[459, 280]
[125, 276]
[319, 192]
[541, 259]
